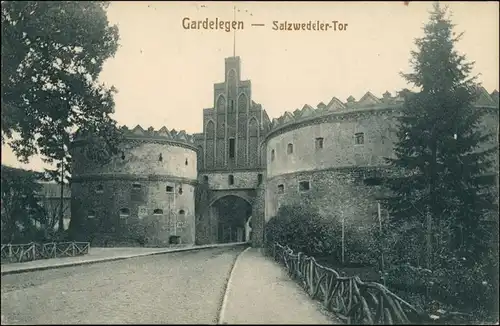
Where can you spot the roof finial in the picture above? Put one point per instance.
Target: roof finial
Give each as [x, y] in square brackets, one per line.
[234, 35]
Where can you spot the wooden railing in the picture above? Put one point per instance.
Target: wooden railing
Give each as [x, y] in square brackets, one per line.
[349, 298]
[33, 251]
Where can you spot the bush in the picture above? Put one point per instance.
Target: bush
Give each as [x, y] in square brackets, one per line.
[409, 278]
[467, 287]
[301, 228]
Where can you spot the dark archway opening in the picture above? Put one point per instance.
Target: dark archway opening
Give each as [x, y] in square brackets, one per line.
[233, 217]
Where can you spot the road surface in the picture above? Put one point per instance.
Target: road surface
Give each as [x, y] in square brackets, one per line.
[175, 288]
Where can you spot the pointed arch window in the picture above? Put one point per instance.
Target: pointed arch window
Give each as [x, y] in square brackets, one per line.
[210, 129]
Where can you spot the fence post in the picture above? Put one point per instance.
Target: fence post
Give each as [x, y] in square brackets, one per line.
[10, 250]
[73, 247]
[55, 250]
[34, 251]
[311, 276]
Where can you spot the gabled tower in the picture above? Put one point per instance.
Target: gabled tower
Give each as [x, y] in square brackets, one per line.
[233, 128]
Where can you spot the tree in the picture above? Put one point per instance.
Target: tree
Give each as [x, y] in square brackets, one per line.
[20, 208]
[52, 54]
[441, 179]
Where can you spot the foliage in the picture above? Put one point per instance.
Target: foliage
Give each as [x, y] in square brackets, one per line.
[362, 245]
[52, 54]
[301, 228]
[442, 182]
[20, 208]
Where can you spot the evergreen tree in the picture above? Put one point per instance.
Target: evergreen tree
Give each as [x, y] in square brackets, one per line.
[441, 181]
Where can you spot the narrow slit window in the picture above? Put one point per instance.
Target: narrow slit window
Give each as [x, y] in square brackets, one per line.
[123, 156]
[273, 155]
[304, 186]
[259, 178]
[359, 138]
[281, 189]
[124, 212]
[231, 180]
[99, 189]
[160, 158]
[231, 148]
[180, 190]
[205, 178]
[290, 149]
[319, 143]
[186, 162]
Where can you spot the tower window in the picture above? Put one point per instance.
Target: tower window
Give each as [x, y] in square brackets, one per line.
[231, 179]
[136, 186]
[123, 155]
[259, 178]
[99, 189]
[124, 212]
[281, 189]
[304, 186]
[182, 212]
[186, 162]
[169, 189]
[273, 155]
[231, 147]
[359, 138]
[158, 211]
[180, 190]
[160, 158]
[289, 149]
[205, 178]
[319, 143]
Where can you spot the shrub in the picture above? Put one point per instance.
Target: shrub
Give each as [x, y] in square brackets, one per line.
[301, 228]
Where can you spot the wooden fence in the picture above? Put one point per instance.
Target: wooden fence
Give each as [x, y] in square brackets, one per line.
[33, 251]
[349, 298]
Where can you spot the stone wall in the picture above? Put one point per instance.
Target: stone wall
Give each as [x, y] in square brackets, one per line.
[332, 142]
[139, 157]
[137, 201]
[145, 193]
[241, 179]
[336, 193]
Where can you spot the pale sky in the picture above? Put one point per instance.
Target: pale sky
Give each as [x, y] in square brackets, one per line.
[165, 74]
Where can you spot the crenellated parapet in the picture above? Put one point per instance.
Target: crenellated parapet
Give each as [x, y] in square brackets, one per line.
[161, 134]
[368, 104]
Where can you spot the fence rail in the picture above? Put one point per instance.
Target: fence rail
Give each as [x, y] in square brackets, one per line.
[33, 251]
[349, 298]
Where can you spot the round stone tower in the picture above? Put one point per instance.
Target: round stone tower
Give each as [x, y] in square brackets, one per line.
[144, 195]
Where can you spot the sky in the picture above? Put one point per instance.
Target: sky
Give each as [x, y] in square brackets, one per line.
[165, 73]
